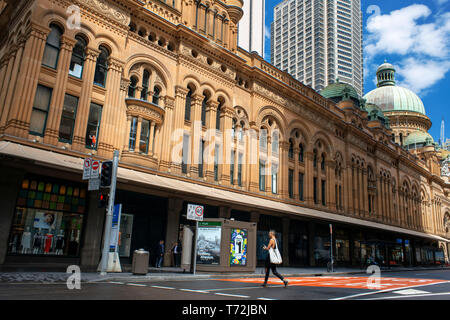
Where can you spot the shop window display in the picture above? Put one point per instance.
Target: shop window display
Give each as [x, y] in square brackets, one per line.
[48, 219]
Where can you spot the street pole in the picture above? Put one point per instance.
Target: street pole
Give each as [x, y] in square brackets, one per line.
[195, 246]
[109, 214]
[331, 247]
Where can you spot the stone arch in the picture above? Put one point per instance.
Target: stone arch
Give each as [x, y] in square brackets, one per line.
[326, 141]
[157, 67]
[301, 127]
[269, 111]
[51, 16]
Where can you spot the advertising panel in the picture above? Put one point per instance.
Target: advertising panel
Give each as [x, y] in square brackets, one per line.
[208, 242]
[238, 247]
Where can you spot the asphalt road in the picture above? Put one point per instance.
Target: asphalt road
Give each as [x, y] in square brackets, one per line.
[423, 285]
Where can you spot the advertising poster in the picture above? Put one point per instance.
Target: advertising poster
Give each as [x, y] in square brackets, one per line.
[208, 242]
[44, 220]
[238, 246]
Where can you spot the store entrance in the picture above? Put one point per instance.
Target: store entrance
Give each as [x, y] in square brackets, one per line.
[143, 224]
[298, 244]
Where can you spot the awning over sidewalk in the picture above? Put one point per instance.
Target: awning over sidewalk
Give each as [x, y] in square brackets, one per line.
[54, 159]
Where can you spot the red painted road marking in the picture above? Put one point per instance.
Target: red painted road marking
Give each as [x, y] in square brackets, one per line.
[341, 282]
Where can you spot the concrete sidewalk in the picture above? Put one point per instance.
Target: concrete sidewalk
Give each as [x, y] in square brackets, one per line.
[172, 274]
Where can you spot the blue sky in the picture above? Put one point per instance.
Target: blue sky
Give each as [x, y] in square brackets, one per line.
[415, 37]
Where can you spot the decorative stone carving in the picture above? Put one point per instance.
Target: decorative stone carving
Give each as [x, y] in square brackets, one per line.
[107, 9]
[145, 109]
[445, 167]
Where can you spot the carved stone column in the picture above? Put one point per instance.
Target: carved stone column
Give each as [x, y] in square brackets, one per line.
[84, 102]
[18, 121]
[210, 139]
[283, 169]
[12, 66]
[309, 176]
[253, 156]
[58, 94]
[110, 123]
[175, 132]
[196, 131]
[227, 114]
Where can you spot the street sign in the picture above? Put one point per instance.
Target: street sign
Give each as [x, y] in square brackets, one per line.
[87, 168]
[95, 168]
[195, 212]
[114, 240]
[94, 184]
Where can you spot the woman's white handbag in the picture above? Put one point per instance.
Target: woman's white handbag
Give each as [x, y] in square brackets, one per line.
[274, 255]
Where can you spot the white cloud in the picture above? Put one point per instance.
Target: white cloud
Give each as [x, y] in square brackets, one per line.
[422, 47]
[418, 75]
[267, 32]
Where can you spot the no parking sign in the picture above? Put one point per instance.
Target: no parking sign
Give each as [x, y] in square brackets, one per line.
[195, 212]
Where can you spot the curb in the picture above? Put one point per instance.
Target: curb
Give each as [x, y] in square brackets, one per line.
[245, 276]
[177, 277]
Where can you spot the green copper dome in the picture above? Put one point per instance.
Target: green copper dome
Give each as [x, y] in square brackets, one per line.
[393, 98]
[390, 97]
[419, 139]
[339, 90]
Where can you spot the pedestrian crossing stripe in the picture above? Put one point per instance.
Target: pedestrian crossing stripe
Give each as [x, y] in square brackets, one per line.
[342, 282]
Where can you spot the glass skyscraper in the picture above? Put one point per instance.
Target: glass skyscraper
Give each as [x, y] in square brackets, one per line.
[318, 41]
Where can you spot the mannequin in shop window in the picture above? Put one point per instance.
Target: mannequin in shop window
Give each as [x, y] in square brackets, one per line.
[14, 243]
[26, 241]
[59, 243]
[48, 242]
[37, 242]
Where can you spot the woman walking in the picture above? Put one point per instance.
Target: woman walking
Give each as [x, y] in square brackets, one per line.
[269, 264]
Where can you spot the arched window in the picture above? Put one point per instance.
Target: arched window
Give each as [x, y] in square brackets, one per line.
[291, 149]
[78, 56]
[219, 108]
[263, 139]
[233, 128]
[156, 95]
[187, 106]
[52, 46]
[101, 68]
[204, 102]
[322, 162]
[301, 153]
[275, 140]
[145, 79]
[132, 87]
[315, 159]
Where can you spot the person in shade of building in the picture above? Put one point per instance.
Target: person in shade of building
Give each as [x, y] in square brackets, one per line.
[160, 254]
[176, 249]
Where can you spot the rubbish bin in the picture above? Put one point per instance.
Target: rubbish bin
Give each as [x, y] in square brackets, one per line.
[140, 262]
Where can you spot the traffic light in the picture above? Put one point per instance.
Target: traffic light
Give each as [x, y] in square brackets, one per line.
[105, 178]
[102, 200]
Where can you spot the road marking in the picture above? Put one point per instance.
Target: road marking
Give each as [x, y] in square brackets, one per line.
[161, 287]
[410, 291]
[386, 290]
[115, 282]
[191, 290]
[265, 299]
[231, 295]
[241, 288]
[412, 296]
[136, 284]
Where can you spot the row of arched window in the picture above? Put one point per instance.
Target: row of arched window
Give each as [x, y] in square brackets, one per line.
[52, 50]
[145, 90]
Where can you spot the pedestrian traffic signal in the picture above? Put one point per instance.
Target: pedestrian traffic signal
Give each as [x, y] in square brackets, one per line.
[102, 200]
[105, 178]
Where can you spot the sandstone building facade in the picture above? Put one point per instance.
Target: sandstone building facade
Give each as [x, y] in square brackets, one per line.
[196, 120]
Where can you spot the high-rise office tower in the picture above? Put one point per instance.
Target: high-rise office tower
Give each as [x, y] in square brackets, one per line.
[318, 41]
[251, 27]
